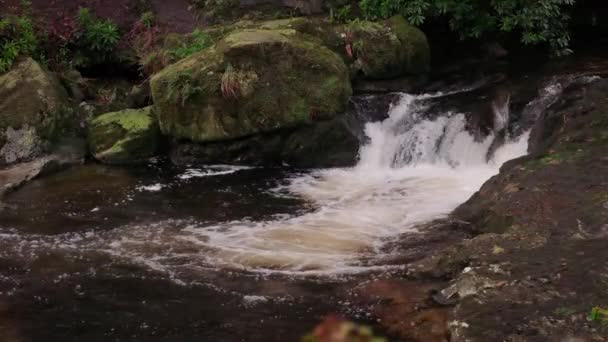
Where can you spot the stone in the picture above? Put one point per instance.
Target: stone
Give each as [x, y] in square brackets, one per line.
[126, 137]
[33, 111]
[251, 82]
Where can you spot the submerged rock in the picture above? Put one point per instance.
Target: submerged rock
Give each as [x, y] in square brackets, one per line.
[33, 111]
[124, 137]
[252, 81]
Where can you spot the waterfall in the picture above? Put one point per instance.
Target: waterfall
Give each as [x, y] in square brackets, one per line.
[412, 170]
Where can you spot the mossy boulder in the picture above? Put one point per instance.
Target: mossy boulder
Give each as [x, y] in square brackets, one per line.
[125, 137]
[33, 109]
[377, 50]
[389, 49]
[252, 81]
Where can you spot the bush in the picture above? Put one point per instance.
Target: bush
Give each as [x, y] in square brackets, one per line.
[537, 22]
[197, 41]
[143, 38]
[96, 40]
[17, 38]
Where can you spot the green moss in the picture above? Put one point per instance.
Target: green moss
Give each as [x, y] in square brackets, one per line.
[269, 79]
[132, 120]
[124, 137]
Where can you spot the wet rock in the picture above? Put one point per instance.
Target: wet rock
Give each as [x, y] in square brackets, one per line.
[33, 110]
[17, 175]
[408, 84]
[387, 50]
[542, 224]
[124, 137]
[331, 143]
[252, 81]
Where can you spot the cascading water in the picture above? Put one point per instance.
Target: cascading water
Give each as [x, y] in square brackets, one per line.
[411, 170]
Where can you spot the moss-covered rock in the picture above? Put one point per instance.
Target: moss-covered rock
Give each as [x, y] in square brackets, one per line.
[124, 137]
[387, 49]
[251, 81]
[373, 50]
[33, 108]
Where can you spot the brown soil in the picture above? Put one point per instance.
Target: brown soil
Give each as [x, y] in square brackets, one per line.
[173, 16]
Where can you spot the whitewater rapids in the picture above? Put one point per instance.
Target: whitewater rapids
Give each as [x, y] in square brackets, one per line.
[411, 170]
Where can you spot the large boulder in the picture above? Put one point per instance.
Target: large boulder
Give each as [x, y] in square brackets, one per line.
[252, 81]
[125, 137]
[389, 49]
[373, 50]
[33, 110]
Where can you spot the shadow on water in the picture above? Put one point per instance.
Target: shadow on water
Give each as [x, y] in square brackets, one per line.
[103, 197]
[53, 291]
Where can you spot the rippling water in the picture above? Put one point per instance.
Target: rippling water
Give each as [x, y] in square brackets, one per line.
[412, 170]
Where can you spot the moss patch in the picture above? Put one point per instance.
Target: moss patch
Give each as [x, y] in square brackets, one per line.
[124, 137]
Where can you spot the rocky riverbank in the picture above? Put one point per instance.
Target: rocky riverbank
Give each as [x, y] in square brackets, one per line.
[104, 168]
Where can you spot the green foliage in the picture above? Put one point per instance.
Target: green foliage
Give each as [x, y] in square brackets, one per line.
[97, 38]
[17, 38]
[182, 87]
[598, 314]
[341, 15]
[147, 19]
[537, 22]
[197, 41]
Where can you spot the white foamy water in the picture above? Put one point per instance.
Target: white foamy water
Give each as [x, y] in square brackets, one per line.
[411, 171]
[210, 171]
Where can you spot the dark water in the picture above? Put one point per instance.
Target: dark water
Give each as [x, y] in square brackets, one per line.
[56, 286]
[52, 293]
[62, 280]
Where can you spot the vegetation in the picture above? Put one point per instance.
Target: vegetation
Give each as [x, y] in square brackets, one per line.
[537, 22]
[143, 38]
[198, 41]
[17, 38]
[182, 87]
[95, 40]
[341, 15]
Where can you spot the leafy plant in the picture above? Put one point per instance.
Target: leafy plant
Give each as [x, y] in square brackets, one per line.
[147, 19]
[142, 38]
[197, 41]
[340, 15]
[98, 36]
[537, 22]
[17, 38]
[230, 84]
[598, 314]
[182, 87]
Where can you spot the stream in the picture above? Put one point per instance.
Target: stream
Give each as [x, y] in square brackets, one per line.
[239, 253]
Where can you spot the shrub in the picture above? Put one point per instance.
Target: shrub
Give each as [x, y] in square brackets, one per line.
[182, 87]
[17, 38]
[96, 40]
[537, 22]
[230, 84]
[197, 41]
[142, 39]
